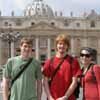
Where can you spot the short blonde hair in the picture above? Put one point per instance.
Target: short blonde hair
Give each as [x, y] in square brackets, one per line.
[64, 38]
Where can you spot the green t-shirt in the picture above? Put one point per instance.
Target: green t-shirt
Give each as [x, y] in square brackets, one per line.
[24, 88]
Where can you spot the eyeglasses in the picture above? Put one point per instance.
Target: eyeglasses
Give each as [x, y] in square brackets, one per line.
[86, 55]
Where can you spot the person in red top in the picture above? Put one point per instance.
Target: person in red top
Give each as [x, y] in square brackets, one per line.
[91, 75]
[65, 80]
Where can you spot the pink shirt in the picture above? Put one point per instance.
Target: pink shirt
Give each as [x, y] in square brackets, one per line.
[91, 89]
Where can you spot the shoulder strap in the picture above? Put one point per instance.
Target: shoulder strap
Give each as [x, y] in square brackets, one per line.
[91, 65]
[21, 71]
[94, 78]
[93, 74]
[70, 59]
[56, 70]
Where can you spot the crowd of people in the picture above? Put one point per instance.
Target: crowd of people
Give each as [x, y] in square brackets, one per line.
[23, 78]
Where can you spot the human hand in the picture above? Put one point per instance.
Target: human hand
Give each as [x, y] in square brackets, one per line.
[51, 98]
[62, 98]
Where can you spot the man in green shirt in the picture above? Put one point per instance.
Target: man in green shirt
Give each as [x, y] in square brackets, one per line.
[28, 86]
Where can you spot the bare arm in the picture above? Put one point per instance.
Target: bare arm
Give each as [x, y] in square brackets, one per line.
[70, 90]
[46, 87]
[72, 87]
[39, 89]
[5, 88]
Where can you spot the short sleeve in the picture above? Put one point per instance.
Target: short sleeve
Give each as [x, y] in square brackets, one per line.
[8, 68]
[76, 70]
[38, 71]
[96, 70]
[46, 68]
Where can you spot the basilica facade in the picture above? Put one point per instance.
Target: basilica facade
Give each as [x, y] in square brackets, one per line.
[42, 24]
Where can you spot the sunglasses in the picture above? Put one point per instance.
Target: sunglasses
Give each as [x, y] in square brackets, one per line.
[86, 55]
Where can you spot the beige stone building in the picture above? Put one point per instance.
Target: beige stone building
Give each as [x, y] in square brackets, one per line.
[43, 24]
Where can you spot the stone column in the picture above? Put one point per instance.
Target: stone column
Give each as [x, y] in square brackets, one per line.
[72, 45]
[12, 49]
[37, 48]
[49, 48]
[98, 45]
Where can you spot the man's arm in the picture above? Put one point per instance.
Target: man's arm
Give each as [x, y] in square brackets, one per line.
[70, 89]
[39, 89]
[5, 88]
[46, 87]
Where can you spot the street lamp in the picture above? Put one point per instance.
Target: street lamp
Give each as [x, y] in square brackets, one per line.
[10, 38]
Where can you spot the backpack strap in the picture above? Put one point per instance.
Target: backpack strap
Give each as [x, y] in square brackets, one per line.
[21, 71]
[94, 78]
[93, 74]
[70, 59]
[57, 68]
[92, 71]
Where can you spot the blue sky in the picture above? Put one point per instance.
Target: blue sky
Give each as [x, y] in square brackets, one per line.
[66, 6]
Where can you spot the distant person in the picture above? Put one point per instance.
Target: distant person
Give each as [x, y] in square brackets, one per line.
[61, 86]
[28, 85]
[91, 75]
